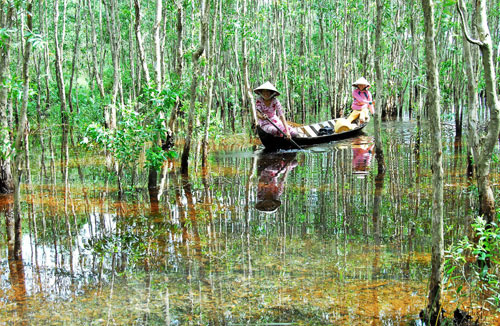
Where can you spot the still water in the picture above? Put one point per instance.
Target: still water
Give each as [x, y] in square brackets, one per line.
[309, 237]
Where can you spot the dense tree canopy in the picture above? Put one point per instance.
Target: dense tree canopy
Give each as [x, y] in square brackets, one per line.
[112, 54]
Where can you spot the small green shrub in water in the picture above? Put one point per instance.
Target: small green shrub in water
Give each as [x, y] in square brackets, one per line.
[135, 129]
[472, 268]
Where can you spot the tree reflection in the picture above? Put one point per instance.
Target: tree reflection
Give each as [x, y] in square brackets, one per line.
[16, 267]
[196, 251]
[273, 169]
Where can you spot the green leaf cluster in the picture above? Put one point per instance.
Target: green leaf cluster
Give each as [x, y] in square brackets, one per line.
[472, 267]
[139, 130]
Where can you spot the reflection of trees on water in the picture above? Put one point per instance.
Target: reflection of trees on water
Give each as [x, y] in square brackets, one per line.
[17, 292]
[204, 239]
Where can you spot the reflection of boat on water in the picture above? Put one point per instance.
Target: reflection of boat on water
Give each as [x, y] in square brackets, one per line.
[273, 170]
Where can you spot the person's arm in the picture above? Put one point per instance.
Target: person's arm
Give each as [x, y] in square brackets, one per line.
[370, 104]
[287, 131]
[279, 113]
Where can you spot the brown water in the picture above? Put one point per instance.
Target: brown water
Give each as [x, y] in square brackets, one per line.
[274, 239]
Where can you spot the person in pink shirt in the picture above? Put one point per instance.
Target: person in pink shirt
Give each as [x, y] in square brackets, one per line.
[363, 101]
[269, 107]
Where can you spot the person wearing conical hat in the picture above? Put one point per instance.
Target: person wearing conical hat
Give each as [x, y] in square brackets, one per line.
[269, 110]
[363, 101]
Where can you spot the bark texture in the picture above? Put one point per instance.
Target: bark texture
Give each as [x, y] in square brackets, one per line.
[6, 182]
[434, 114]
[486, 198]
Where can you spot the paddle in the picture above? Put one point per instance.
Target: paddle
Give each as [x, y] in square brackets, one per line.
[275, 126]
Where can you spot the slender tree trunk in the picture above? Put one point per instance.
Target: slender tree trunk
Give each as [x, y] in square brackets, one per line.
[433, 95]
[97, 71]
[61, 87]
[47, 77]
[23, 119]
[194, 85]
[211, 82]
[43, 168]
[113, 26]
[248, 90]
[179, 67]
[473, 137]
[486, 197]
[6, 182]
[157, 42]
[74, 66]
[140, 43]
[380, 86]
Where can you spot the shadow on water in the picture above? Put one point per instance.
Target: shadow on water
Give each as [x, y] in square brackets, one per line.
[305, 237]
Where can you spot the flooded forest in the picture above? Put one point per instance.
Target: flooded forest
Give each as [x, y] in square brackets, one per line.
[136, 187]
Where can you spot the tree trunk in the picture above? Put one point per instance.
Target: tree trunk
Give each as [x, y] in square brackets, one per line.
[153, 173]
[61, 88]
[433, 95]
[113, 26]
[211, 68]
[486, 198]
[97, 73]
[179, 64]
[6, 182]
[473, 137]
[248, 89]
[194, 84]
[74, 64]
[140, 43]
[380, 86]
[23, 120]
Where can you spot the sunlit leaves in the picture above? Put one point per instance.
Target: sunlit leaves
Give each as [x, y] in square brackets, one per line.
[37, 40]
[474, 264]
[5, 34]
[134, 131]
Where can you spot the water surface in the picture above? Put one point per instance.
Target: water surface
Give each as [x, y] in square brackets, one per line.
[297, 237]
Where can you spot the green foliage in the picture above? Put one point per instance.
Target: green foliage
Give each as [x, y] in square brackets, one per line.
[5, 34]
[155, 156]
[137, 129]
[472, 267]
[37, 40]
[162, 100]
[6, 149]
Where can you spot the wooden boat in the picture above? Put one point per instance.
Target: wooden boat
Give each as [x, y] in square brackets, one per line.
[309, 135]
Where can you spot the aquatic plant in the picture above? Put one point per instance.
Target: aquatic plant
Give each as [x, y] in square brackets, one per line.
[472, 268]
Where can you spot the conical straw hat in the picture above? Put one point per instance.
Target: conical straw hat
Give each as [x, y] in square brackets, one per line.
[268, 86]
[361, 81]
[268, 205]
